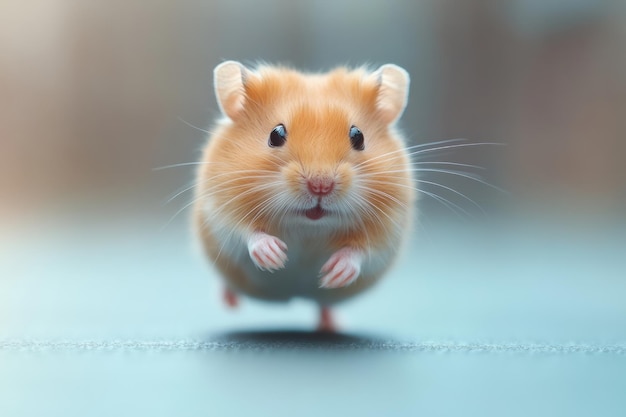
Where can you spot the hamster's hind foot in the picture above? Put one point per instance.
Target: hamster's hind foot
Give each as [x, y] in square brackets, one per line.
[326, 323]
[230, 298]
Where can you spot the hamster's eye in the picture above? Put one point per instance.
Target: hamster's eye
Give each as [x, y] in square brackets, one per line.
[356, 139]
[278, 136]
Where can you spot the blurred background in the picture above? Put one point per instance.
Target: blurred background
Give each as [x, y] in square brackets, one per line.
[94, 95]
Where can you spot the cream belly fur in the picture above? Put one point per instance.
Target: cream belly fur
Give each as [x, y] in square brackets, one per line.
[309, 249]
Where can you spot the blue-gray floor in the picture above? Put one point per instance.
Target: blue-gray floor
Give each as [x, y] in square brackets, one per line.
[123, 321]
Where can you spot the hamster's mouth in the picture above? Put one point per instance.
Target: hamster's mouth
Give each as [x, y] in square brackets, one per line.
[315, 213]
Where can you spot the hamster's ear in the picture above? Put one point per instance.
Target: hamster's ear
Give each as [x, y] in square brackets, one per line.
[393, 91]
[229, 80]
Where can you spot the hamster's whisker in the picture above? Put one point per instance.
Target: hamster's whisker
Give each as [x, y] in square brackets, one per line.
[457, 173]
[201, 196]
[231, 188]
[433, 142]
[254, 189]
[188, 187]
[206, 195]
[430, 183]
[373, 193]
[391, 198]
[243, 171]
[233, 229]
[397, 230]
[359, 204]
[388, 196]
[194, 184]
[222, 207]
[469, 176]
[220, 187]
[381, 159]
[182, 164]
[406, 149]
[437, 142]
[392, 160]
[345, 216]
[192, 163]
[208, 132]
[267, 205]
[447, 203]
[418, 163]
[259, 209]
[368, 212]
[239, 177]
[391, 183]
[381, 202]
[283, 202]
[384, 203]
[451, 190]
[277, 203]
[192, 202]
[458, 145]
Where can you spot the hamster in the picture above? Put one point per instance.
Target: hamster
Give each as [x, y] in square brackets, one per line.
[305, 186]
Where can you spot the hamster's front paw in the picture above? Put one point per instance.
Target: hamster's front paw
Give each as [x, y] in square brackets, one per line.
[267, 252]
[342, 268]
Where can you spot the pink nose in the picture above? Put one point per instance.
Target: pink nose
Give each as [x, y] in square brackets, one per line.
[320, 185]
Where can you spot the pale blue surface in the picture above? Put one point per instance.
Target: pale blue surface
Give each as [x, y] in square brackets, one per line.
[525, 320]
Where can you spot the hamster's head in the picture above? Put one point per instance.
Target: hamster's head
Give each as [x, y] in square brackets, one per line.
[315, 150]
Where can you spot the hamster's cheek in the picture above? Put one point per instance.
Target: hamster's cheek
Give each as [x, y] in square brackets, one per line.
[294, 179]
[345, 180]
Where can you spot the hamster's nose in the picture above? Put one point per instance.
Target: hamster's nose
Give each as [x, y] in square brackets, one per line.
[321, 185]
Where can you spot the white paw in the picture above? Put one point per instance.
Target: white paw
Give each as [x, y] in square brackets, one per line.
[342, 269]
[267, 252]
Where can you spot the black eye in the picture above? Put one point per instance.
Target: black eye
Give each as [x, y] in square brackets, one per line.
[356, 139]
[278, 137]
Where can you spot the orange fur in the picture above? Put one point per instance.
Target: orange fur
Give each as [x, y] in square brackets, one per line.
[241, 170]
